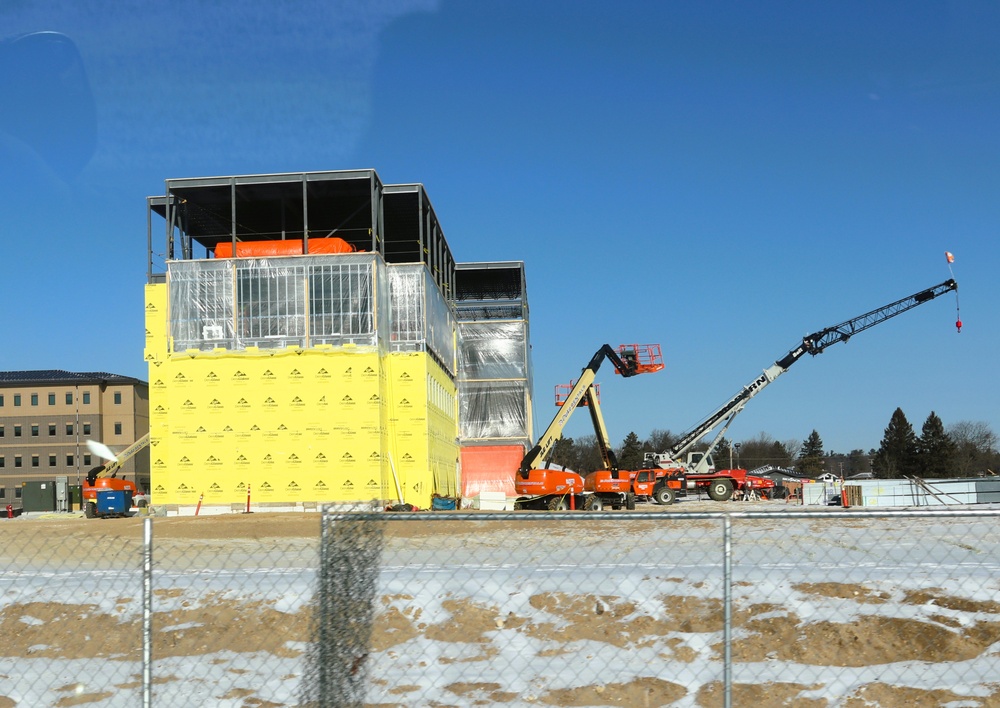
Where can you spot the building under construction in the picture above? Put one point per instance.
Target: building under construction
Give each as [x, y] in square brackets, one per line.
[311, 340]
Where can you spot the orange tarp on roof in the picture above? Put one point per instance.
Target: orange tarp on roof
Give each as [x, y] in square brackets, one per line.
[288, 247]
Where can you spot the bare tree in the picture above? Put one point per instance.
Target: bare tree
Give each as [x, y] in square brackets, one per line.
[661, 440]
[589, 455]
[976, 447]
[762, 449]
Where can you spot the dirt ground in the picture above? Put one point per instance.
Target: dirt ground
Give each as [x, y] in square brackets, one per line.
[765, 630]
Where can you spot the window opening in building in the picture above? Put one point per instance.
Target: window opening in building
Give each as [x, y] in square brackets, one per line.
[17, 399]
[34, 430]
[34, 399]
[271, 306]
[69, 428]
[1, 400]
[86, 428]
[86, 397]
[52, 429]
[340, 304]
[17, 460]
[1, 431]
[86, 460]
[3, 462]
[118, 428]
[118, 398]
[240, 303]
[52, 460]
[3, 490]
[69, 460]
[34, 460]
[69, 399]
[52, 399]
[17, 431]
[17, 492]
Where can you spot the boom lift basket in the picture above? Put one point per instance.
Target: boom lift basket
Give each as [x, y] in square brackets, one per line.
[563, 391]
[647, 357]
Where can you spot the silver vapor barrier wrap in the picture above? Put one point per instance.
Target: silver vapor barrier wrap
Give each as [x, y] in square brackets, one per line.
[494, 369]
[493, 410]
[493, 350]
[274, 303]
[421, 319]
[494, 381]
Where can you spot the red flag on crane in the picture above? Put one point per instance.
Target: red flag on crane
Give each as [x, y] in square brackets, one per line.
[958, 312]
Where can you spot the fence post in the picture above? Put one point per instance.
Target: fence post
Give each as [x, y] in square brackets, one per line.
[147, 612]
[727, 611]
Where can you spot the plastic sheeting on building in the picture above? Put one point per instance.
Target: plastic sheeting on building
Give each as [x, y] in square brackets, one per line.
[494, 363]
[421, 318]
[277, 302]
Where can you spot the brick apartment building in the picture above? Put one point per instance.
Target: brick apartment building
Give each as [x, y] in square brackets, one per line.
[46, 418]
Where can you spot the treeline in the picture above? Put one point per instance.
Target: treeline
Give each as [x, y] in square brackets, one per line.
[963, 449]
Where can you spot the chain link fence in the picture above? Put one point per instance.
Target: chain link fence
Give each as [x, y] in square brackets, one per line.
[819, 607]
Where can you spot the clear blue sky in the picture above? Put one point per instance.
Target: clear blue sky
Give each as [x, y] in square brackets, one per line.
[720, 177]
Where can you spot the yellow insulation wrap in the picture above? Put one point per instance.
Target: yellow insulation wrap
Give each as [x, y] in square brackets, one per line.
[315, 425]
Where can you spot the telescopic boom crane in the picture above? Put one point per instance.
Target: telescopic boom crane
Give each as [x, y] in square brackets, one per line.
[543, 488]
[815, 343]
[626, 365]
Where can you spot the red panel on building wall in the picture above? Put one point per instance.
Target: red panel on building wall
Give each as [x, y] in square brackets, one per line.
[490, 468]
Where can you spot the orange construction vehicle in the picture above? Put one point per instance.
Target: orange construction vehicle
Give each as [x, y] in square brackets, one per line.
[103, 479]
[542, 488]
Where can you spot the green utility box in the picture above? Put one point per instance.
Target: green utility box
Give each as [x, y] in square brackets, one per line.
[38, 496]
[75, 497]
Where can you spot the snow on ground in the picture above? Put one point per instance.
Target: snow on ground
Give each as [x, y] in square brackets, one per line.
[839, 608]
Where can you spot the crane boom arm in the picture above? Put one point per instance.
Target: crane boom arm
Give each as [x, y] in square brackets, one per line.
[548, 439]
[816, 342]
[110, 469]
[608, 456]
[813, 344]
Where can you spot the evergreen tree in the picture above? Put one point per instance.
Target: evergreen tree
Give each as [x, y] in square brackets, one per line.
[564, 453]
[810, 460]
[630, 457]
[897, 454]
[858, 463]
[936, 451]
